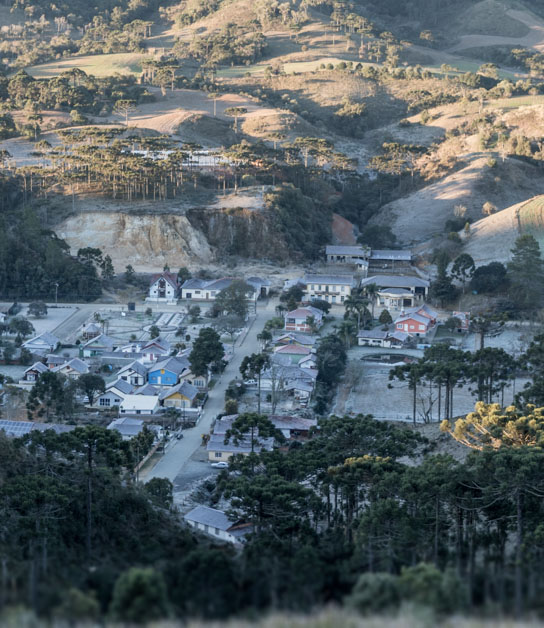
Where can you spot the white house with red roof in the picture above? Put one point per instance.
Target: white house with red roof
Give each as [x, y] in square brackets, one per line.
[416, 321]
[164, 288]
[297, 320]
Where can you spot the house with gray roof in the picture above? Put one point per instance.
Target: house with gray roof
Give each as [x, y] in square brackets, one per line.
[43, 344]
[381, 338]
[384, 255]
[163, 288]
[183, 395]
[290, 426]
[129, 427]
[52, 360]
[100, 344]
[72, 369]
[298, 320]
[114, 395]
[215, 523]
[398, 291]
[32, 373]
[148, 389]
[208, 289]
[135, 373]
[334, 289]
[219, 451]
[357, 255]
[304, 340]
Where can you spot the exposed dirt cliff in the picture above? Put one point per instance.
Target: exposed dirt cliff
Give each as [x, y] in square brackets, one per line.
[242, 232]
[147, 241]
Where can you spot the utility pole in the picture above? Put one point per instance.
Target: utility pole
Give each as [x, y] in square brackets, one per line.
[56, 294]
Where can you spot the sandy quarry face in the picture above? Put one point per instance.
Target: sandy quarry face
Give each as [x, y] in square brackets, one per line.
[146, 242]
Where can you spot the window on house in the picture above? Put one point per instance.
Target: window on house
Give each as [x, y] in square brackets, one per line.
[218, 454]
[217, 531]
[105, 402]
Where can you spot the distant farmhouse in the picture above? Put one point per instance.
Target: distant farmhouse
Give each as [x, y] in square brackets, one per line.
[364, 258]
[353, 255]
[390, 259]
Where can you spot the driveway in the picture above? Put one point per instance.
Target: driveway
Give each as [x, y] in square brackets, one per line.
[179, 452]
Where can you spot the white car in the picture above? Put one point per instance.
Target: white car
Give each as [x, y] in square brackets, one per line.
[220, 465]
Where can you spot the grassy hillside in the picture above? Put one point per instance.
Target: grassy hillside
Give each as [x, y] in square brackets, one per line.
[97, 65]
[531, 219]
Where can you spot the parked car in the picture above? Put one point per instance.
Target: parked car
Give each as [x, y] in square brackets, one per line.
[250, 382]
[220, 465]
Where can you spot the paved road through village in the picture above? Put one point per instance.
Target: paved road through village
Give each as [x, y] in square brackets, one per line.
[179, 452]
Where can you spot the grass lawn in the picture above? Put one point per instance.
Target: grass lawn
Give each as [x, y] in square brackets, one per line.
[288, 68]
[98, 65]
[517, 101]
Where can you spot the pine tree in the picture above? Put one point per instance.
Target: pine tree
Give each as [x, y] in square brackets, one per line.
[526, 273]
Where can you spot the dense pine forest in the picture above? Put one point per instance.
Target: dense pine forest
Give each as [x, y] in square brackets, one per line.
[339, 519]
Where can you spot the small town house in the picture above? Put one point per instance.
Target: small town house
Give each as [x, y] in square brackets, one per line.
[164, 288]
[215, 523]
[181, 396]
[299, 320]
[331, 288]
